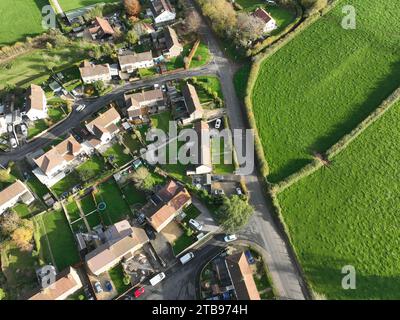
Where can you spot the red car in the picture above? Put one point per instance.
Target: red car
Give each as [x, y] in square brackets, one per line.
[138, 292]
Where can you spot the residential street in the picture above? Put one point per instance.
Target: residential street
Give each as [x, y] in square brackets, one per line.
[261, 229]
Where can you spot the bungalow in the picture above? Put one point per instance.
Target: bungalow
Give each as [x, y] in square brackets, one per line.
[141, 104]
[104, 127]
[242, 277]
[56, 160]
[67, 283]
[162, 11]
[270, 23]
[132, 62]
[36, 103]
[173, 47]
[203, 164]
[16, 192]
[122, 241]
[91, 73]
[165, 205]
[192, 103]
[101, 29]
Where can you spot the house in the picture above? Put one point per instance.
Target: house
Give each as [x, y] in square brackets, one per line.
[101, 29]
[162, 11]
[54, 161]
[104, 127]
[270, 23]
[67, 283]
[16, 192]
[91, 72]
[203, 164]
[173, 47]
[192, 103]
[132, 62]
[165, 205]
[242, 277]
[122, 241]
[140, 105]
[36, 103]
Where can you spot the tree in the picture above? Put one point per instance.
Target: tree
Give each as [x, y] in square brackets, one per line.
[132, 7]
[22, 236]
[9, 221]
[99, 86]
[249, 28]
[143, 180]
[132, 37]
[2, 294]
[5, 175]
[192, 22]
[86, 173]
[235, 213]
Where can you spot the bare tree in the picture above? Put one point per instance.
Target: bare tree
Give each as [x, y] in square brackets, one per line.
[132, 7]
[192, 22]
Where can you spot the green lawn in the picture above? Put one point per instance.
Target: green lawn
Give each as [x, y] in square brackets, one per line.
[73, 211]
[161, 121]
[60, 237]
[93, 219]
[204, 85]
[117, 277]
[133, 196]
[218, 153]
[67, 183]
[117, 208]
[240, 80]
[37, 127]
[132, 142]
[31, 67]
[94, 167]
[19, 19]
[191, 213]
[87, 204]
[314, 90]
[147, 72]
[177, 62]
[68, 5]
[176, 170]
[56, 114]
[117, 151]
[347, 214]
[201, 57]
[182, 243]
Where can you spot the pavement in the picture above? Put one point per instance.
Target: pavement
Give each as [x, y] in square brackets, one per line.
[262, 229]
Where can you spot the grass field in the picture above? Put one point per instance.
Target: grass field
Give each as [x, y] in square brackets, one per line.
[19, 19]
[68, 5]
[201, 57]
[54, 228]
[324, 82]
[117, 152]
[347, 214]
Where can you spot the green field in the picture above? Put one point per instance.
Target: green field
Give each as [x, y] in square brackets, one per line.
[19, 19]
[116, 151]
[347, 214]
[324, 82]
[68, 5]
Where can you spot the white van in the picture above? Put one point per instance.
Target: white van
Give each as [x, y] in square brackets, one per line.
[158, 278]
[187, 257]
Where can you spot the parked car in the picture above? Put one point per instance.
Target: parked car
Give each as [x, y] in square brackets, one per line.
[249, 257]
[9, 128]
[81, 107]
[195, 224]
[108, 286]
[230, 238]
[218, 123]
[138, 292]
[13, 143]
[88, 293]
[187, 257]
[239, 191]
[219, 192]
[150, 232]
[24, 130]
[157, 279]
[98, 287]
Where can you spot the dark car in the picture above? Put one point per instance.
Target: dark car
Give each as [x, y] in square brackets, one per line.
[88, 293]
[249, 257]
[108, 286]
[150, 232]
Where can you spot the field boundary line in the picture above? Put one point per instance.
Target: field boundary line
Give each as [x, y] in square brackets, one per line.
[48, 242]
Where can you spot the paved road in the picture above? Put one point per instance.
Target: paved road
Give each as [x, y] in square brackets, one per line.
[261, 228]
[75, 118]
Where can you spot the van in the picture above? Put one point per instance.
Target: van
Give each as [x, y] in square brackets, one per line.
[157, 279]
[187, 257]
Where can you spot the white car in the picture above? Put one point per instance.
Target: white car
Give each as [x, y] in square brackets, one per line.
[230, 238]
[80, 107]
[97, 287]
[218, 123]
[13, 143]
[195, 224]
[24, 130]
[239, 191]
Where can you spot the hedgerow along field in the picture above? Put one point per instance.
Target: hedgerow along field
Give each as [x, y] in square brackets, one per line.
[19, 19]
[347, 214]
[324, 82]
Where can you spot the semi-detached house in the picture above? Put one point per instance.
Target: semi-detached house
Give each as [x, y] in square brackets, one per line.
[36, 103]
[162, 11]
[14, 193]
[131, 62]
[91, 72]
[141, 104]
